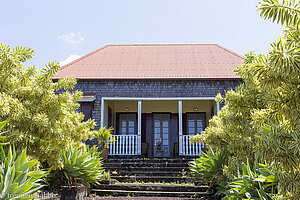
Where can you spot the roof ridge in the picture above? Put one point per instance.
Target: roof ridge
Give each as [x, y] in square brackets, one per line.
[228, 50]
[83, 57]
[162, 44]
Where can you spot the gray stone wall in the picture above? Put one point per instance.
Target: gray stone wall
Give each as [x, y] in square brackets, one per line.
[159, 88]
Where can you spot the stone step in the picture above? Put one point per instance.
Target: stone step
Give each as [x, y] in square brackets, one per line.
[153, 187]
[132, 168]
[161, 179]
[147, 164]
[145, 160]
[151, 173]
[146, 172]
[202, 195]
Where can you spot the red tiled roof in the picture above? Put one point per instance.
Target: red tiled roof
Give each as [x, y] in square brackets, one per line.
[155, 61]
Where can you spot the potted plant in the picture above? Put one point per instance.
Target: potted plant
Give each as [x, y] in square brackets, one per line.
[82, 166]
[103, 136]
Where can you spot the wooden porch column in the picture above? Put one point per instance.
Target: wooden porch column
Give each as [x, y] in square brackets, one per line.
[139, 127]
[218, 107]
[180, 125]
[102, 112]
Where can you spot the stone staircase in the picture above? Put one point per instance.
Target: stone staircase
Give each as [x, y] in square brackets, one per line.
[145, 177]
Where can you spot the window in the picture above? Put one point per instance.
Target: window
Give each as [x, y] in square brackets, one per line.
[127, 124]
[86, 108]
[195, 123]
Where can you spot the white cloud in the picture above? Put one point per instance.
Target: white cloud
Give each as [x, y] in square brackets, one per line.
[69, 59]
[72, 38]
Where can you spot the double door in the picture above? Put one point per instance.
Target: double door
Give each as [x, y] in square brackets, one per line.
[161, 128]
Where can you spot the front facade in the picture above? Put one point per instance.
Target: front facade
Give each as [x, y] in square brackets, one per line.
[154, 96]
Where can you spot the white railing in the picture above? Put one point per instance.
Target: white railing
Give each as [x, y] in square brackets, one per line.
[189, 149]
[124, 145]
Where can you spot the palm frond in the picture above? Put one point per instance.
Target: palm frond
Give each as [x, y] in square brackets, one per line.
[285, 12]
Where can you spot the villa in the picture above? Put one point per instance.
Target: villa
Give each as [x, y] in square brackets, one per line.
[155, 96]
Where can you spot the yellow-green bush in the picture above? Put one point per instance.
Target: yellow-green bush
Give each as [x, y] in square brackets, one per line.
[260, 118]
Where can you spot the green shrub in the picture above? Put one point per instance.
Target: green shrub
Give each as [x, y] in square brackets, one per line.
[82, 165]
[209, 167]
[39, 109]
[18, 176]
[259, 183]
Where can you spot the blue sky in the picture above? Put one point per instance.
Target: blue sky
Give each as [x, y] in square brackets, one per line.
[58, 29]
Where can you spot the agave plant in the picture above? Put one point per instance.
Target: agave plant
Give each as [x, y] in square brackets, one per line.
[18, 179]
[209, 167]
[259, 183]
[82, 165]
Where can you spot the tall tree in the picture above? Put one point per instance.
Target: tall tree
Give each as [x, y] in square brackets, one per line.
[261, 118]
[38, 116]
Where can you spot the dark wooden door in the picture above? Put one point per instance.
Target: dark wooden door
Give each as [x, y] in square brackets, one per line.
[161, 131]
